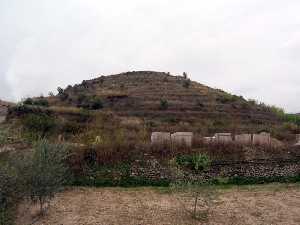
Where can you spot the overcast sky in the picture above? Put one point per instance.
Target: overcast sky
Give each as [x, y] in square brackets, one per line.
[246, 47]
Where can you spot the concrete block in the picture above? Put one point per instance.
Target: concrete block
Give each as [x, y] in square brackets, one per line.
[243, 139]
[262, 139]
[182, 138]
[223, 137]
[160, 138]
[209, 140]
[2, 119]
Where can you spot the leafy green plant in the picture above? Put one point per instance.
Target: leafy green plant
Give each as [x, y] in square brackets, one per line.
[89, 102]
[200, 162]
[197, 162]
[164, 104]
[46, 172]
[38, 125]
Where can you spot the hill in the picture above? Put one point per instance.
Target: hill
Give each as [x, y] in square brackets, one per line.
[174, 99]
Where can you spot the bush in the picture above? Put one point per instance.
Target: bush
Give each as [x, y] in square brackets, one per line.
[96, 103]
[41, 102]
[62, 94]
[89, 102]
[38, 102]
[11, 188]
[197, 162]
[164, 104]
[46, 172]
[38, 125]
[28, 101]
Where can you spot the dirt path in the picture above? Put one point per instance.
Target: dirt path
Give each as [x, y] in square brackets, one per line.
[264, 205]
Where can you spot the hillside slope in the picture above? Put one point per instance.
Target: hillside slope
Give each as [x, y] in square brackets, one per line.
[158, 95]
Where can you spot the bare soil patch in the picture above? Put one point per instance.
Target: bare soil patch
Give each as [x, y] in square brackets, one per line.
[267, 204]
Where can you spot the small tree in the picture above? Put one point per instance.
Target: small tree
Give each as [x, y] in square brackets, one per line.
[60, 90]
[197, 199]
[46, 172]
[38, 125]
[62, 94]
[185, 75]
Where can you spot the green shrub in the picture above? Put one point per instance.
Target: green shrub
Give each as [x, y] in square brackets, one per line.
[89, 102]
[28, 101]
[292, 118]
[38, 125]
[96, 103]
[36, 102]
[164, 104]
[9, 194]
[197, 162]
[41, 102]
[46, 172]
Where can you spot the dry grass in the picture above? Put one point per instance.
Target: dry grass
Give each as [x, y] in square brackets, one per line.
[270, 204]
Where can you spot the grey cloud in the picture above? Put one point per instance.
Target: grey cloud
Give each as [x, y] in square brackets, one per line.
[246, 47]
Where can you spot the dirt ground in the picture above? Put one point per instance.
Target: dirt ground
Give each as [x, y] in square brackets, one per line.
[264, 205]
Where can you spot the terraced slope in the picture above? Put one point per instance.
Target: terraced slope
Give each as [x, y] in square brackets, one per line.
[150, 94]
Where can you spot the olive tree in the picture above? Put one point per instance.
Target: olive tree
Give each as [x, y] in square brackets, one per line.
[46, 172]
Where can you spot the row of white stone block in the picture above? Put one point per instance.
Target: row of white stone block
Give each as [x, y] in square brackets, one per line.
[187, 138]
[256, 139]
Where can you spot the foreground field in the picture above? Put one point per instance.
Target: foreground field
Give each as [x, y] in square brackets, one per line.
[266, 204]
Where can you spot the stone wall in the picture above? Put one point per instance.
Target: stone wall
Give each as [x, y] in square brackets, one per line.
[153, 170]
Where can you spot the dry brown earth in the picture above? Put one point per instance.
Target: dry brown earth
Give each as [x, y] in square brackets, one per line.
[270, 204]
